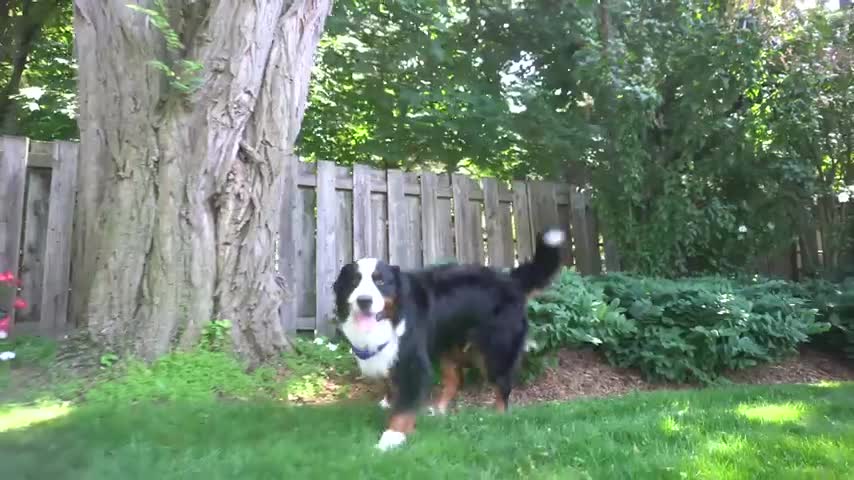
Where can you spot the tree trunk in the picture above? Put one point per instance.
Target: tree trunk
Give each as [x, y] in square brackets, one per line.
[180, 193]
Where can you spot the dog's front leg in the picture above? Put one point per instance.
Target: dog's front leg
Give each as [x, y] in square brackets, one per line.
[411, 377]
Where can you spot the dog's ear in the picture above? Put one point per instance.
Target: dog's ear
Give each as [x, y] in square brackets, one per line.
[339, 287]
[400, 280]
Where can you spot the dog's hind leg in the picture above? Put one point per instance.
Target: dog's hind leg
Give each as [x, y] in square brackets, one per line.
[452, 377]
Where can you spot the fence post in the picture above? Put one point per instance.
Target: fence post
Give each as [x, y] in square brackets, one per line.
[13, 175]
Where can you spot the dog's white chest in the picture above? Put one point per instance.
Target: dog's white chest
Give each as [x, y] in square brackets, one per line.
[378, 365]
[380, 362]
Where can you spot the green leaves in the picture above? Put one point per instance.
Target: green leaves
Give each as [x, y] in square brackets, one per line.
[693, 329]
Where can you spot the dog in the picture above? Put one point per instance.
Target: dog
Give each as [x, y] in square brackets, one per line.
[399, 322]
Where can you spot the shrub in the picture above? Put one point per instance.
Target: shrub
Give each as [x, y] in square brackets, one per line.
[574, 312]
[694, 329]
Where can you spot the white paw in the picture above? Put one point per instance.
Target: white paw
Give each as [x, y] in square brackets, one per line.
[384, 404]
[554, 237]
[391, 439]
[436, 411]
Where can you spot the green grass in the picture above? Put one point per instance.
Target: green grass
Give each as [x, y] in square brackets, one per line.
[775, 432]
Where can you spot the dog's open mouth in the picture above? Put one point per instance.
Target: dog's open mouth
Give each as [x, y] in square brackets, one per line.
[367, 321]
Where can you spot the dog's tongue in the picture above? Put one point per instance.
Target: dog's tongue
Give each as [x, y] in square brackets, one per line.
[365, 322]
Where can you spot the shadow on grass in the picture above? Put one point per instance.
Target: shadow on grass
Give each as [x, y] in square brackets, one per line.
[753, 432]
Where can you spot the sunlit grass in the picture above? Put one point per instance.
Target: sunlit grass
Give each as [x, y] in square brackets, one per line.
[773, 413]
[774, 432]
[19, 416]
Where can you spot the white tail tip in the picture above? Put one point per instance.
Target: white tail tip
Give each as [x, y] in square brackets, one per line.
[554, 238]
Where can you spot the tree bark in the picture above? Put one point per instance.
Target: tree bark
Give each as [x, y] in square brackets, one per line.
[180, 194]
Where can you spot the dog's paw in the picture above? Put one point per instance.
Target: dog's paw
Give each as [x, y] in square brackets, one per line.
[435, 411]
[384, 404]
[391, 439]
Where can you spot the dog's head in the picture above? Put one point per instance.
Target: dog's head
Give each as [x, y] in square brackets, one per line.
[367, 294]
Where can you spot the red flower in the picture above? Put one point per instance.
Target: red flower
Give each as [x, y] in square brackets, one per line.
[4, 323]
[20, 303]
[6, 277]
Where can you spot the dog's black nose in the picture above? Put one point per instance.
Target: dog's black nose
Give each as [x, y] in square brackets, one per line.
[364, 302]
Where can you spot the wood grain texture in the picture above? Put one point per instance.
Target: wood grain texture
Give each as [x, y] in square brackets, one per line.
[289, 241]
[37, 203]
[57, 259]
[522, 223]
[397, 220]
[327, 250]
[362, 214]
[13, 172]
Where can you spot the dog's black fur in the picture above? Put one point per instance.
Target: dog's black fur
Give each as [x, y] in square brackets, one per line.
[451, 307]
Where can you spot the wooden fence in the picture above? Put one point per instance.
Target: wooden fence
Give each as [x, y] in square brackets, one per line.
[38, 184]
[330, 215]
[334, 214]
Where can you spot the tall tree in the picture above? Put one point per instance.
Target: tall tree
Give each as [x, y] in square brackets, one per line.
[187, 110]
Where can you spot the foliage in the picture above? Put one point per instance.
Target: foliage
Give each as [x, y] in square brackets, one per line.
[215, 336]
[30, 350]
[685, 330]
[574, 312]
[706, 128]
[184, 75]
[710, 131]
[44, 106]
[834, 304]
[193, 375]
[312, 364]
[696, 329]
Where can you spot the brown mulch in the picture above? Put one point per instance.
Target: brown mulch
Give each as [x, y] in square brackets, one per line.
[584, 373]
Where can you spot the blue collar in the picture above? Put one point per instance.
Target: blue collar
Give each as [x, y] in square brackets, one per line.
[366, 354]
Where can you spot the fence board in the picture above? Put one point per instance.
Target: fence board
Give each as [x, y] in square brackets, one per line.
[35, 235]
[429, 205]
[464, 217]
[396, 218]
[344, 231]
[505, 220]
[565, 221]
[290, 220]
[412, 247]
[522, 222]
[362, 230]
[379, 226]
[13, 171]
[585, 238]
[327, 222]
[493, 224]
[57, 259]
[306, 254]
[541, 196]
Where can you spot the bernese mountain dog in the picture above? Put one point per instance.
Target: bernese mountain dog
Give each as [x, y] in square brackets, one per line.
[399, 322]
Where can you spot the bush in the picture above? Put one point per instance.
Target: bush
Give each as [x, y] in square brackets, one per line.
[834, 304]
[676, 330]
[574, 312]
[694, 329]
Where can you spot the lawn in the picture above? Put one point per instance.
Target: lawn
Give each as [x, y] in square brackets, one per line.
[778, 432]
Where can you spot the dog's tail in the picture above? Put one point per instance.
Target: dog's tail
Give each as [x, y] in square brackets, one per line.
[536, 274]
